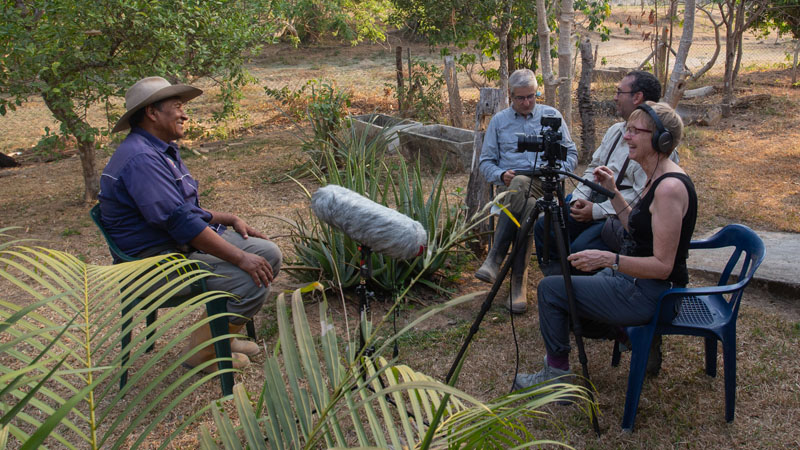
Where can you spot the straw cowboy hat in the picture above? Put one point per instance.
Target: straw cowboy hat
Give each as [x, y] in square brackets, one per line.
[148, 91]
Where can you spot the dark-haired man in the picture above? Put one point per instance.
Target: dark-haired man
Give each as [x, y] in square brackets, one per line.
[149, 206]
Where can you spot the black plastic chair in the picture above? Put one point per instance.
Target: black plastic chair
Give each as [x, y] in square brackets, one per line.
[701, 311]
[219, 326]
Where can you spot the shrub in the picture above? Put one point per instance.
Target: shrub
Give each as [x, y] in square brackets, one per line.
[327, 254]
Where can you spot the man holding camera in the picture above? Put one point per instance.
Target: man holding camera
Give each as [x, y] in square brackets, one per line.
[500, 161]
[589, 210]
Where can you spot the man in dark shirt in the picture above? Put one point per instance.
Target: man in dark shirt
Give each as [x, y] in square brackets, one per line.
[149, 206]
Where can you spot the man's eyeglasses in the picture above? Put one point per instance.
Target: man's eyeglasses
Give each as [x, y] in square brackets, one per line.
[633, 131]
[626, 92]
[522, 98]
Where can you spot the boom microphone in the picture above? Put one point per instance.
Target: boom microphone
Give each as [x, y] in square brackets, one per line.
[382, 229]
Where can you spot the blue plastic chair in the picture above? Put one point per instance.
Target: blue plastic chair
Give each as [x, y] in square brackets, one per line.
[701, 311]
[219, 326]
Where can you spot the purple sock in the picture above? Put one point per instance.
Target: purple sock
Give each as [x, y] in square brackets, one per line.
[558, 361]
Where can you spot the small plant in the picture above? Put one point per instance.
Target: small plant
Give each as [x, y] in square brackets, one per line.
[422, 97]
[50, 146]
[69, 232]
[326, 108]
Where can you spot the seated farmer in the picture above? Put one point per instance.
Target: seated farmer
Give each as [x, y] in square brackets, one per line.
[589, 210]
[653, 257]
[499, 163]
[149, 206]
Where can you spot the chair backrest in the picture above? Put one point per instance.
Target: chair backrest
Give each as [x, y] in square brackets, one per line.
[746, 242]
[116, 253]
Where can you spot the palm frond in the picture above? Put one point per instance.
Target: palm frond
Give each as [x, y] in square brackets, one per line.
[61, 361]
[349, 400]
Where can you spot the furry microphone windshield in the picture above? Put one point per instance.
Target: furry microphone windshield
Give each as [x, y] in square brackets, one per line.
[382, 229]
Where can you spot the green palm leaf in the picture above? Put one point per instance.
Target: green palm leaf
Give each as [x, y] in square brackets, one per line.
[60, 359]
[324, 398]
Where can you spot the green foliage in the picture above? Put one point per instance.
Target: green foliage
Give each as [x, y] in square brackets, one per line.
[346, 399]
[422, 96]
[349, 20]
[782, 16]
[78, 53]
[329, 255]
[466, 23]
[60, 358]
[325, 106]
[50, 145]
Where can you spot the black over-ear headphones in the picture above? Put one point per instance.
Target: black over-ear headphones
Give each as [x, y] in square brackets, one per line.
[662, 138]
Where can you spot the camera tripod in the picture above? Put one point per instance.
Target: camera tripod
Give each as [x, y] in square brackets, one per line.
[551, 205]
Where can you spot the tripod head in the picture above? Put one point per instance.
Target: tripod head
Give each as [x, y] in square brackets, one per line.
[551, 174]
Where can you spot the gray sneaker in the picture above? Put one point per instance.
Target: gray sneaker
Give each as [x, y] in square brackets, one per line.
[548, 375]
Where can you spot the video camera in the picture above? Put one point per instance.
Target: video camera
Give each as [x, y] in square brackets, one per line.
[549, 141]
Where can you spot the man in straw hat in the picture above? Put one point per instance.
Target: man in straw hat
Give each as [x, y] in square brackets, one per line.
[149, 206]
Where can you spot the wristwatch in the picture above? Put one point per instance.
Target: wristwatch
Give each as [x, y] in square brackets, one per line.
[615, 266]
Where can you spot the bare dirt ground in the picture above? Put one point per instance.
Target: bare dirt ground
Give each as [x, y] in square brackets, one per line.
[744, 168]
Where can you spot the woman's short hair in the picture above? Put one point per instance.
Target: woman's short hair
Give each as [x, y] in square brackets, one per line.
[669, 118]
[522, 78]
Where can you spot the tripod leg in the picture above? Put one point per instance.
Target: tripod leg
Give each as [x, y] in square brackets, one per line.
[527, 226]
[573, 313]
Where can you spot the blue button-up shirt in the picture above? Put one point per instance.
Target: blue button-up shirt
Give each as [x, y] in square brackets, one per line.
[147, 196]
[499, 152]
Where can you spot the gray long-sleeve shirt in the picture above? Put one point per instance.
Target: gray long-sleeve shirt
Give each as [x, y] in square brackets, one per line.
[500, 144]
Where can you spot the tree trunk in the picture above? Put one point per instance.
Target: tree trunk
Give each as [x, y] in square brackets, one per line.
[660, 68]
[734, 13]
[711, 62]
[543, 31]
[566, 19]
[453, 96]
[62, 109]
[398, 62]
[502, 37]
[491, 102]
[512, 65]
[794, 62]
[677, 80]
[585, 102]
[730, 55]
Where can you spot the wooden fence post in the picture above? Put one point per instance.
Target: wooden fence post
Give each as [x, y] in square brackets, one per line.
[491, 102]
[453, 96]
[398, 58]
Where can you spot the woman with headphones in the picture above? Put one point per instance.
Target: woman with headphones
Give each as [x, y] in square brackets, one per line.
[660, 224]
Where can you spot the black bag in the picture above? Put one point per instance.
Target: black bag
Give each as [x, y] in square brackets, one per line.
[613, 234]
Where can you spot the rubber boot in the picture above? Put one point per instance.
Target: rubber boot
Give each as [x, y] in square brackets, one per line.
[518, 295]
[203, 334]
[248, 348]
[504, 233]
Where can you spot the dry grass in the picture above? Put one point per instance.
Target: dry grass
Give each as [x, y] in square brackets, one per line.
[745, 170]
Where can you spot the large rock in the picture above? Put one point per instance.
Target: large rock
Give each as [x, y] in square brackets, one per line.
[433, 144]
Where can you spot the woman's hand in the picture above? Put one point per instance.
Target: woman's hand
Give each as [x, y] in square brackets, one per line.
[605, 177]
[591, 260]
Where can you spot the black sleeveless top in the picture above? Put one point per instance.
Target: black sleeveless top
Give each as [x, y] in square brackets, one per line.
[639, 241]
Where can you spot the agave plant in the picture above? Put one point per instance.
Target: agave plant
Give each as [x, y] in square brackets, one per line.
[334, 257]
[60, 357]
[344, 398]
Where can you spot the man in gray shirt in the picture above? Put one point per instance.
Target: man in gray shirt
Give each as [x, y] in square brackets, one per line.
[499, 163]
